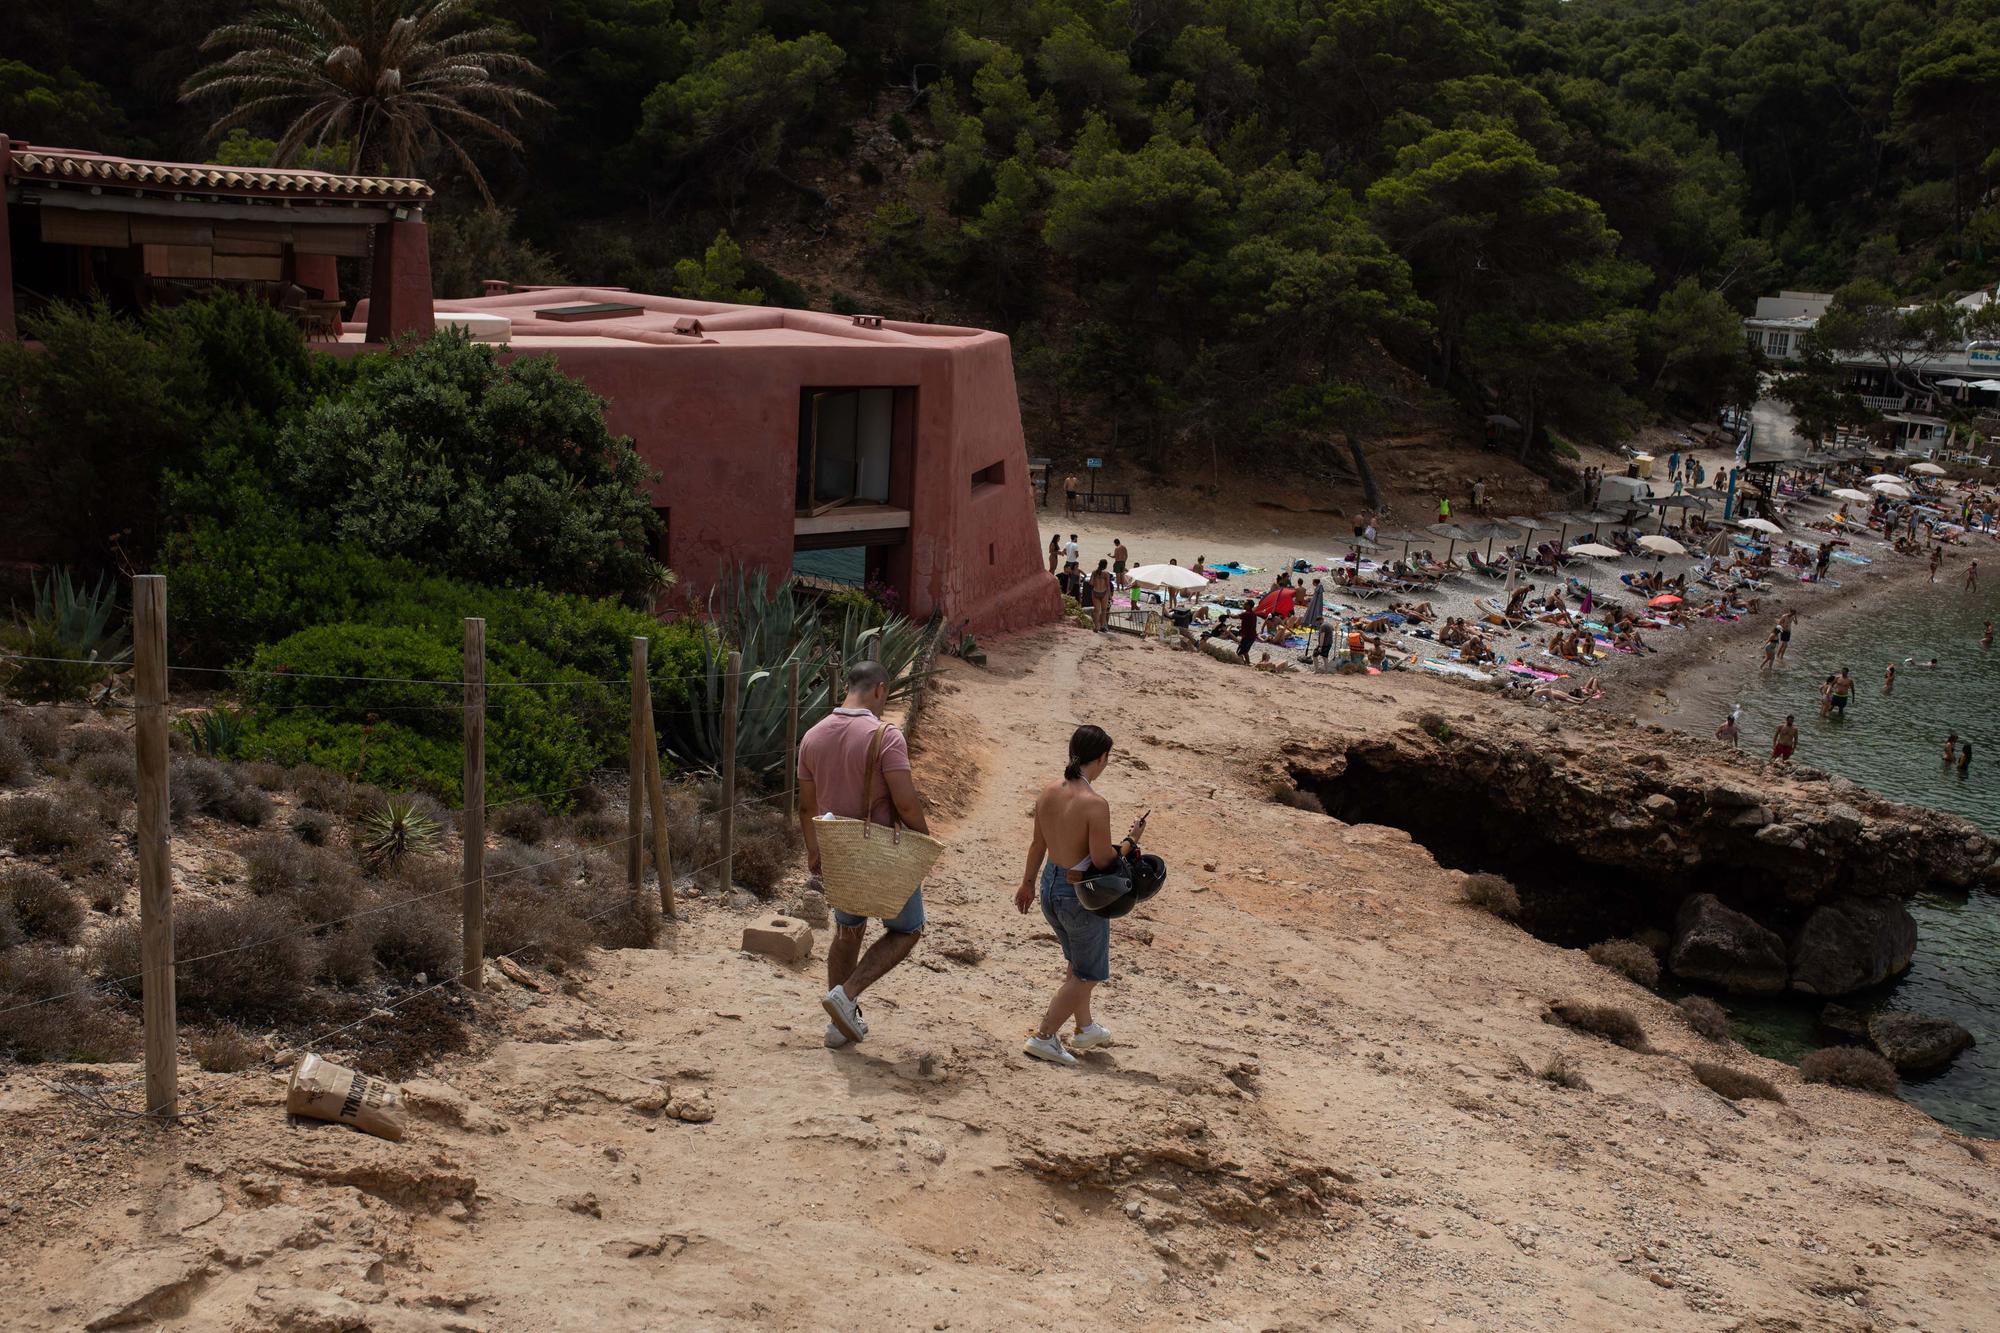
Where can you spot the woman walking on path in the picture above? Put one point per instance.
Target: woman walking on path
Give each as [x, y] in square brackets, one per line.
[1072, 838]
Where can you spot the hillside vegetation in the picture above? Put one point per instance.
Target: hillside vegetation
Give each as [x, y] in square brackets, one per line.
[1215, 227]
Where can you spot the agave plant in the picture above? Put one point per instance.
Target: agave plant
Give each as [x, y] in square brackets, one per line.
[78, 634]
[215, 732]
[397, 830]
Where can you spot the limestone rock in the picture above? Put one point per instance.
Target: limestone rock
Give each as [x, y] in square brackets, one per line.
[781, 937]
[1916, 1043]
[1837, 1020]
[434, 1099]
[1853, 944]
[183, 1204]
[247, 1239]
[1782, 835]
[140, 1286]
[692, 1105]
[810, 907]
[1723, 947]
[302, 1310]
[1661, 806]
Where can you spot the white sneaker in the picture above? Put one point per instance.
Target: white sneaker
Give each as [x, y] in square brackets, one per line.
[1050, 1049]
[845, 1013]
[835, 1038]
[1090, 1038]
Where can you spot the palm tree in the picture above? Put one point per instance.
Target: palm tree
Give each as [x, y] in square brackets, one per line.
[393, 79]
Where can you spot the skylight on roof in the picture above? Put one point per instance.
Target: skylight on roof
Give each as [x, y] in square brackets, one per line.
[564, 314]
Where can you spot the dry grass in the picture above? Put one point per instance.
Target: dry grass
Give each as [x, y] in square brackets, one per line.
[768, 845]
[422, 934]
[312, 827]
[265, 776]
[1735, 1084]
[1630, 957]
[225, 1050]
[320, 886]
[40, 735]
[1491, 893]
[1601, 1020]
[78, 1027]
[1564, 1073]
[205, 787]
[1287, 793]
[1849, 1067]
[319, 789]
[526, 822]
[42, 907]
[17, 766]
[270, 978]
[39, 826]
[1706, 1017]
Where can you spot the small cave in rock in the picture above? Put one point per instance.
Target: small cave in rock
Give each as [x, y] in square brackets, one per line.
[1567, 897]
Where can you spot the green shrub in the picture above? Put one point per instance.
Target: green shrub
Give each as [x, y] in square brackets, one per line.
[77, 631]
[216, 733]
[400, 829]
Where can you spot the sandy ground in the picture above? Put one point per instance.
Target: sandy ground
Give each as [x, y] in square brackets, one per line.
[1319, 1113]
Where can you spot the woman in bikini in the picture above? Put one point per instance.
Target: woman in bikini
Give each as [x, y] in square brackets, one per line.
[1072, 838]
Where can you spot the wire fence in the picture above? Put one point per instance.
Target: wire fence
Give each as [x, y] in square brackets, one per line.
[474, 695]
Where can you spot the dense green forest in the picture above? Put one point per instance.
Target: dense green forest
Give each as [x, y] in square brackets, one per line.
[1212, 226]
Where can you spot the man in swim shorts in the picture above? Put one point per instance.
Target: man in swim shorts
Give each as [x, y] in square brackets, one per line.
[1786, 739]
[1843, 689]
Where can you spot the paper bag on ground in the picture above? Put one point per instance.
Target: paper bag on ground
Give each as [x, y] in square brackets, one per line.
[346, 1096]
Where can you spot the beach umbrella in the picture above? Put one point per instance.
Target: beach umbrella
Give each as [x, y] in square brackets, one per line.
[1662, 545]
[1758, 524]
[1453, 534]
[1719, 544]
[1849, 493]
[1664, 599]
[1928, 469]
[1893, 488]
[1168, 576]
[1883, 476]
[1595, 551]
[1277, 602]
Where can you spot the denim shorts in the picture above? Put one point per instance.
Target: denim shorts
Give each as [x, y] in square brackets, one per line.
[1085, 937]
[906, 922]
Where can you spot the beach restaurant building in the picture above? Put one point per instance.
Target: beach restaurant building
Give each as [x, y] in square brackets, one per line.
[848, 447]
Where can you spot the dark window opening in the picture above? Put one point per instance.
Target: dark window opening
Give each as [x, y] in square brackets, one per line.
[663, 543]
[845, 445]
[994, 474]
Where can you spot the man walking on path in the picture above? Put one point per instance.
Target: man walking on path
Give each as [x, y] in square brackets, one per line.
[1072, 837]
[833, 759]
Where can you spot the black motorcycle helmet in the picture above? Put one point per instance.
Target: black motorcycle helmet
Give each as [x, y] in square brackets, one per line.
[1115, 891]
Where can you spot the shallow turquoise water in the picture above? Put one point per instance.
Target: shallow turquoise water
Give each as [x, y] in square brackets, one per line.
[1894, 744]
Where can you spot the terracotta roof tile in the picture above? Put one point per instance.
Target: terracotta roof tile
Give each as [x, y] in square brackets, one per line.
[64, 165]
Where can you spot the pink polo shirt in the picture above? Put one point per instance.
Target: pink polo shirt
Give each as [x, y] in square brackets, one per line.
[833, 756]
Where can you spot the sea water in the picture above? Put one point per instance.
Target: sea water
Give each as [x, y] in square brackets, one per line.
[1895, 745]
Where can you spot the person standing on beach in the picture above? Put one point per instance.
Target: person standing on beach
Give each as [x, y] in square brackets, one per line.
[1055, 550]
[1785, 623]
[1246, 639]
[1119, 558]
[1785, 739]
[1100, 597]
[1478, 494]
[1770, 649]
[1316, 605]
[1841, 692]
[1069, 495]
[1728, 732]
[1889, 680]
[1937, 558]
[1444, 510]
[833, 759]
[1072, 838]
[1972, 576]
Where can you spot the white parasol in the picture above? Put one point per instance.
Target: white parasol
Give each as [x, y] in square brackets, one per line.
[1595, 551]
[1928, 469]
[1893, 488]
[1167, 576]
[1758, 524]
[1662, 545]
[1884, 476]
[1849, 493]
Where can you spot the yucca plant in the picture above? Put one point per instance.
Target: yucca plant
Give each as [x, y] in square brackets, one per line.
[399, 829]
[215, 732]
[81, 626]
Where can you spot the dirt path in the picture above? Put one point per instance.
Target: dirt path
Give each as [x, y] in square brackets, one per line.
[1317, 1115]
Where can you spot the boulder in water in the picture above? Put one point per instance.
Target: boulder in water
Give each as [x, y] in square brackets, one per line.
[1840, 1023]
[1853, 944]
[1916, 1043]
[1722, 947]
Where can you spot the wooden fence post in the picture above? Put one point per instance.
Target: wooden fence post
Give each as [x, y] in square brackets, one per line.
[156, 882]
[792, 736]
[472, 974]
[635, 795]
[732, 686]
[656, 796]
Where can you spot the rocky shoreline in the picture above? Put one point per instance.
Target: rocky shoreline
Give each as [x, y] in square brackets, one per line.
[1749, 878]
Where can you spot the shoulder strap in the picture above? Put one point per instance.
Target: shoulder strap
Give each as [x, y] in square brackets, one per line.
[868, 773]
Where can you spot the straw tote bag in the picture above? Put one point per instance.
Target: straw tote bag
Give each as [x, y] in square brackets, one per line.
[868, 869]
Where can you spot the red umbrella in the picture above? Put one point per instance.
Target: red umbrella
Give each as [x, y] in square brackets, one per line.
[1665, 599]
[1277, 602]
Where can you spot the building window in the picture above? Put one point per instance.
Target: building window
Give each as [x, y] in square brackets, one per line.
[663, 543]
[992, 475]
[1778, 344]
[845, 440]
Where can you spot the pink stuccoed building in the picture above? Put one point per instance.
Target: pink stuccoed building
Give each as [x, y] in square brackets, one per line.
[851, 447]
